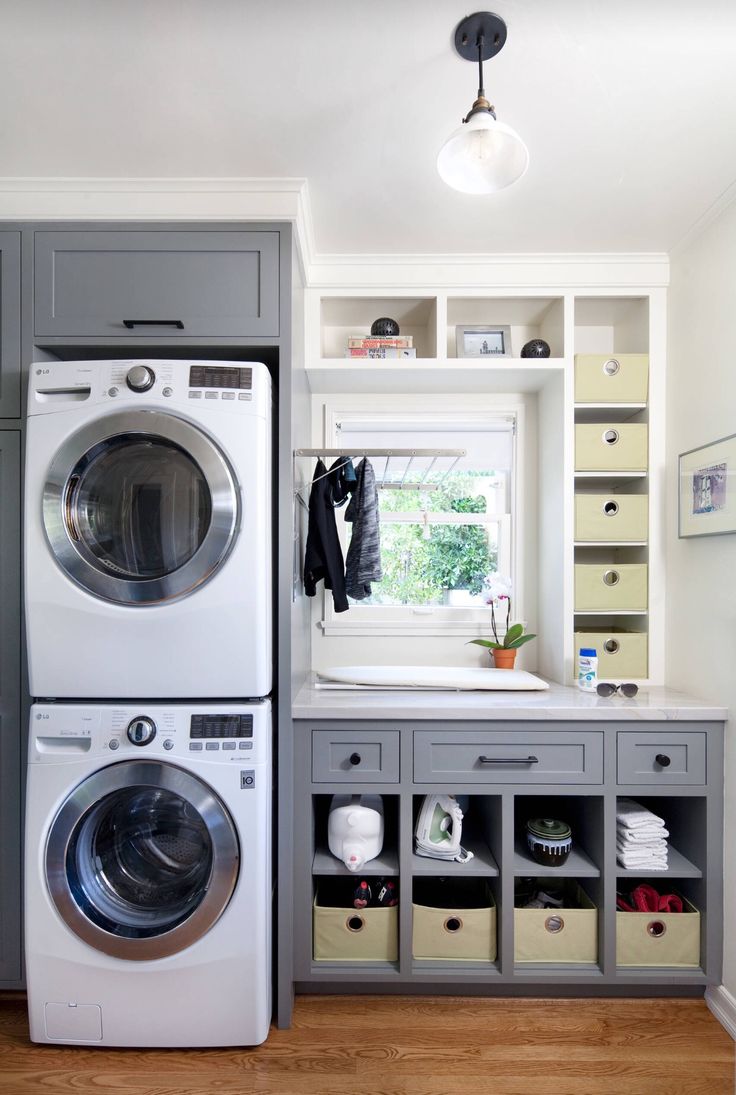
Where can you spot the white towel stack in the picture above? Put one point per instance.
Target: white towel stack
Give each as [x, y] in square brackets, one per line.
[641, 837]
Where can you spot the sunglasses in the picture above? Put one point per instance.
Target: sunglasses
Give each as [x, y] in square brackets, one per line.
[606, 689]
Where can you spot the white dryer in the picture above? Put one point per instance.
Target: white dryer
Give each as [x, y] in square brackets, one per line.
[148, 874]
[148, 529]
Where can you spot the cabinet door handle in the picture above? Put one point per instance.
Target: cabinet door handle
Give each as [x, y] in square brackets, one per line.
[131, 323]
[509, 760]
[355, 758]
[663, 760]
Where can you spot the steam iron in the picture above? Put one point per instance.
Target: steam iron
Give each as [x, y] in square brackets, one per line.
[439, 829]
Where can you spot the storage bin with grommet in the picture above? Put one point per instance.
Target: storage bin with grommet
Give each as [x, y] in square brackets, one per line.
[611, 446]
[611, 378]
[344, 933]
[555, 921]
[660, 938]
[454, 919]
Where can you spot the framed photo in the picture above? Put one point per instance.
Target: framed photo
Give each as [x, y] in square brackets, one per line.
[483, 341]
[707, 479]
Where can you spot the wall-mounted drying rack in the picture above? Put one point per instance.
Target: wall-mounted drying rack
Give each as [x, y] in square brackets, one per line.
[382, 481]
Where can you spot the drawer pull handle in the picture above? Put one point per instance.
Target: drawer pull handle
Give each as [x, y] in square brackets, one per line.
[509, 760]
[663, 760]
[355, 758]
[131, 323]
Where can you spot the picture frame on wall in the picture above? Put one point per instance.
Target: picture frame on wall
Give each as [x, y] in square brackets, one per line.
[483, 341]
[707, 489]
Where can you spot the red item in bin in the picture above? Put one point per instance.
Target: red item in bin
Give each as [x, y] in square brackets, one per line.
[646, 899]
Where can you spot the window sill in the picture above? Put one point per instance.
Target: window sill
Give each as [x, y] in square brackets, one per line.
[379, 628]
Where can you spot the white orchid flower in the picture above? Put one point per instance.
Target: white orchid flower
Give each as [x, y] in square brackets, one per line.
[497, 588]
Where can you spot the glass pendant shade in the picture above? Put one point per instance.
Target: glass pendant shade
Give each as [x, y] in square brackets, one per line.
[482, 156]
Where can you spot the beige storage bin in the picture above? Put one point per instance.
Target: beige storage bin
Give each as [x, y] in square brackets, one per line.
[622, 655]
[617, 517]
[610, 587]
[659, 939]
[355, 935]
[611, 446]
[464, 932]
[557, 935]
[611, 378]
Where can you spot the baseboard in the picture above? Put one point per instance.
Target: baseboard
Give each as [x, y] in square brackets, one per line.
[723, 1005]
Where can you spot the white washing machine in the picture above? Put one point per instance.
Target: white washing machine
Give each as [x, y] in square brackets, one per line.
[148, 529]
[148, 874]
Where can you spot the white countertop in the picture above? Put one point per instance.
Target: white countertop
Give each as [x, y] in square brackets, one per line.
[559, 702]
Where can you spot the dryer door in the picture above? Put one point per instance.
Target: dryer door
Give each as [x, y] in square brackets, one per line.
[141, 859]
[140, 507]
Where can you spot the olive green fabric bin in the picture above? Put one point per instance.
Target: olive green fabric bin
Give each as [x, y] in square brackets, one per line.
[611, 378]
[611, 446]
[659, 939]
[557, 935]
[458, 934]
[622, 655]
[355, 935]
[610, 587]
[620, 518]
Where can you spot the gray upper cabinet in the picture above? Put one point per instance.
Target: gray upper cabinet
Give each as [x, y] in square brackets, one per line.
[10, 728]
[9, 324]
[156, 284]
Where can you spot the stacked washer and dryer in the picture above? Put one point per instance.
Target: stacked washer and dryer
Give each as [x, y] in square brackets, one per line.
[148, 616]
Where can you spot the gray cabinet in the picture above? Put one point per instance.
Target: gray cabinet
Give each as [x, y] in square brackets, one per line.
[9, 324]
[505, 773]
[10, 728]
[144, 284]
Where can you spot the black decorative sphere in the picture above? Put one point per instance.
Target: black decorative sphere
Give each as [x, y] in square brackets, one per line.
[384, 328]
[536, 348]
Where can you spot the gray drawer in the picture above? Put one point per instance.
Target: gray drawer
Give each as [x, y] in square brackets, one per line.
[213, 283]
[638, 753]
[511, 757]
[350, 756]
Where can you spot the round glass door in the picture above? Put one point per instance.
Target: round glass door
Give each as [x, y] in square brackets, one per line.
[140, 507]
[142, 859]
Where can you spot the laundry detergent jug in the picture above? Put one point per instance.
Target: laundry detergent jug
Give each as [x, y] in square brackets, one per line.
[355, 829]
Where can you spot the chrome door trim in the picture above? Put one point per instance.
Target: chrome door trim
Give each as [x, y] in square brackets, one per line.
[225, 856]
[76, 559]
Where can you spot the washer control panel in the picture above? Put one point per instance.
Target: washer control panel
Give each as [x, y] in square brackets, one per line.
[219, 733]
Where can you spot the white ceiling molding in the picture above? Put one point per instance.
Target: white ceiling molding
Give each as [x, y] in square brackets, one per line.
[722, 202]
[275, 199]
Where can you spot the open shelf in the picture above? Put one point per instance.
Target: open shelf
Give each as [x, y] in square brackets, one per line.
[325, 863]
[579, 864]
[677, 867]
[481, 865]
[429, 375]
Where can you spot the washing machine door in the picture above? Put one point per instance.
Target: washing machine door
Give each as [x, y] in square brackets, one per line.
[140, 507]
[141, 859]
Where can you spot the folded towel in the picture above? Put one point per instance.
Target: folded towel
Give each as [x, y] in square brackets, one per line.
[654, 862]
[641, 836]
[632, 815]
[637, 850]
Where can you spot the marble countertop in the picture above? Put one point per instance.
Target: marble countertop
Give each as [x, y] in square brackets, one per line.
[559, 702]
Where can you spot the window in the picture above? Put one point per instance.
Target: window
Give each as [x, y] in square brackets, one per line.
[438, 542]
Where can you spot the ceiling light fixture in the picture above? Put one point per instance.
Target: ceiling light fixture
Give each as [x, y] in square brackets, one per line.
[483, 155]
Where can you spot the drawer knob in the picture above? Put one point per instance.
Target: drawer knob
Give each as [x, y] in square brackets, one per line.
[355, 758]
[509, 760]
[663, 760]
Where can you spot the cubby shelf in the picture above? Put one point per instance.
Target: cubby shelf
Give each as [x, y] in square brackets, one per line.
[578, 865]
[430, 375]
[610, 543]
[325, 863]
[481, 865]
[677, 867]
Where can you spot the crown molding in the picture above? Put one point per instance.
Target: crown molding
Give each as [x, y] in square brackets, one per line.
[720, 205]
[287, 199]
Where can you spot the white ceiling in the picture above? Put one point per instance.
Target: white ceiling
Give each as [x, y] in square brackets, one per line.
[628, 109]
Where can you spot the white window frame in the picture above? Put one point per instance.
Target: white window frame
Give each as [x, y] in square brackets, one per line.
[431, 620]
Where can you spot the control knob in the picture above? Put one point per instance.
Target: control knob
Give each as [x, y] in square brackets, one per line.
[141, 730]
[140, 378]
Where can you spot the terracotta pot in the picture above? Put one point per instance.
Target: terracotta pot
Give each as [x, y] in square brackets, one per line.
[504, 659]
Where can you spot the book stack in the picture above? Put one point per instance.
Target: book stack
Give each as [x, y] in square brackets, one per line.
[373, 346]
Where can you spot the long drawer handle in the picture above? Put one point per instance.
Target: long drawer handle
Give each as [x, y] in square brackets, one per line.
[130, 323]
[509, 760]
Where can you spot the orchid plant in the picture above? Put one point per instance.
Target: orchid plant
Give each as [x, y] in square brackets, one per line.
[497, 594]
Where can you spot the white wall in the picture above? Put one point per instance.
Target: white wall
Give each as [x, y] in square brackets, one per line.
[701, 590]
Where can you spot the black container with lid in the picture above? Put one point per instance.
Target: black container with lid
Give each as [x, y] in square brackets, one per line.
[549, 840]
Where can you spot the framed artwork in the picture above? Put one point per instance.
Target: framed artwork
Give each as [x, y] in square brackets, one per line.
[707, 481]
[483, 341]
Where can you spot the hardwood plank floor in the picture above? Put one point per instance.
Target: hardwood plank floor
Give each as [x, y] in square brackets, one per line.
[363, 1045]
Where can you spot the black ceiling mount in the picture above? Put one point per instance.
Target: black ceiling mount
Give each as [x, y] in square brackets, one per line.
[483, 24]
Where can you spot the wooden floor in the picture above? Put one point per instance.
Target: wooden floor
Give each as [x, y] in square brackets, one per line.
[408, 1046]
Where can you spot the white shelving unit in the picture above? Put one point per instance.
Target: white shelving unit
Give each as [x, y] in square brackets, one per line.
[571, 320]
